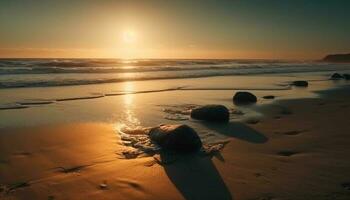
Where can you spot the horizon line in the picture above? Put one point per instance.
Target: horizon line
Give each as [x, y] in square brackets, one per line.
[153, 58]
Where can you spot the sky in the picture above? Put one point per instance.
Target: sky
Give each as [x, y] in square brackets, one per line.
[211, 29]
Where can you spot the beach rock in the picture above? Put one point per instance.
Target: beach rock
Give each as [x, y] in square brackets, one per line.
[300, 83]
[103, 186]
[180, 138]
[244, 98]
[346, 76]
[214, 113]
[269, 97]
[336, 76]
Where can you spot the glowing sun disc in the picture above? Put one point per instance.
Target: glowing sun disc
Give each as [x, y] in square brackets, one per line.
[129, 37]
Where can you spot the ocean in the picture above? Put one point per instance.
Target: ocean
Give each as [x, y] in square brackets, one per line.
[16, 73]
[145, 92]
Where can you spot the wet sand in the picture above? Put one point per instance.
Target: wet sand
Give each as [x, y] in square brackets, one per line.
[298, 150]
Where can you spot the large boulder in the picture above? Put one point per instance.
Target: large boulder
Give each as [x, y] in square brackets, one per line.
[300, 83]
[336, 76]
[244, 98]
[180, 138]
[214, 113]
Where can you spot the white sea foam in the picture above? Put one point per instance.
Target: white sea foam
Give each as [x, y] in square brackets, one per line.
[140, 144]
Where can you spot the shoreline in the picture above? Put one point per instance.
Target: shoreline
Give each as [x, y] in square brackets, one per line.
[113, 81]
[279, 88]
[303, 157]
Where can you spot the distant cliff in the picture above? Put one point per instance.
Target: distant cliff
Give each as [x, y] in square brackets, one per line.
[337, 58]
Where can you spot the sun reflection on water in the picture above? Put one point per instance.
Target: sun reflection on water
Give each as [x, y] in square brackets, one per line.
[129, 119]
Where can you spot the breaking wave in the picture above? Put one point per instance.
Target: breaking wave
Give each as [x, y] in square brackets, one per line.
[16, 73]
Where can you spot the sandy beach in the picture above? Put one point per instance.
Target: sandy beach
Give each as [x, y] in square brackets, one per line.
[174, 100]
[288, 148]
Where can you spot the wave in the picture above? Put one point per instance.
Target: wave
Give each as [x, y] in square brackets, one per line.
[11, 82]
[45, 66]
[60, 70]
[68, 72]
[122, 62]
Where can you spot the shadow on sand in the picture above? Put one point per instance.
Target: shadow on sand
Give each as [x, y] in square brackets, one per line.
[238, 130]
[196, 177]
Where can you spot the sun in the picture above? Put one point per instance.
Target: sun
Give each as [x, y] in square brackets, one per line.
[129, 37]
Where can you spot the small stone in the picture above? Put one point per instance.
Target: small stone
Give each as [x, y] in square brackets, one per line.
[103, 186]
[300, 83]
[244, 98]
[336, 76]
[269, 97]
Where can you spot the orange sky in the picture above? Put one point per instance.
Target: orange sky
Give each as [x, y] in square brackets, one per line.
[154, 53]
[173, 29]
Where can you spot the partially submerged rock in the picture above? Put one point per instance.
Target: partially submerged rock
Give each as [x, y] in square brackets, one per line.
[244, 98]
[336, 76]
[180, 138]
[215, 113]
[300, 83]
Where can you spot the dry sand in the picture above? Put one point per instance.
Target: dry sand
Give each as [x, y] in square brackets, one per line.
[300, 154]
